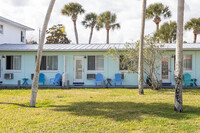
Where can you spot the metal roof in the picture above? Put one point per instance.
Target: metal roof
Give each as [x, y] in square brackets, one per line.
[186, 46]
[14, 23]
[60, 47]
[84, 47]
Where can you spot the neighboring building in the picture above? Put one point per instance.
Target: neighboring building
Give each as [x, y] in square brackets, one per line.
[80, 61]
[12, 32]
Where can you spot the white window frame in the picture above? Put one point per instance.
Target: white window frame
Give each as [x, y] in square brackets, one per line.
[1, 25]
[7, 70]
[47, 71]
[96, 71]
[183, 63]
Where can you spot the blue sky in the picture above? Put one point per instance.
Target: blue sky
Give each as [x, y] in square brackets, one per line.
[32, 12]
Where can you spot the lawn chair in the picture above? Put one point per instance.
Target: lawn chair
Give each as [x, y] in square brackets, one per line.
[55, 80]
[118, 79]
[42, 78]
[99, 79]
[188, 80]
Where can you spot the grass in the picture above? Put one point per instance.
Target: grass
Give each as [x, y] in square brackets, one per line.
[98, 110]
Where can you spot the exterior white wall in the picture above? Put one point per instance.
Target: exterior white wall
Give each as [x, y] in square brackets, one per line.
[11, 34]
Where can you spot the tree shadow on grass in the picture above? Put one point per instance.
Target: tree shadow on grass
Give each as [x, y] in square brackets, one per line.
[21, 105]
[18, 104]
[127, 111]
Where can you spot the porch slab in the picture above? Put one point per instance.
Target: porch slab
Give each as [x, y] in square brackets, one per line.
[86, 87]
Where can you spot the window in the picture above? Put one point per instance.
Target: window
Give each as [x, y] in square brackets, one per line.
[123, 66]
[13, 62]
[49, 63]
[96, 63]
[187, 62]
[1, 29]
[22, 36]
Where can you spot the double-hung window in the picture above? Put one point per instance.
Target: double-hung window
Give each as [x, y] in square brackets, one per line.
[125, 65]
[49, 63]
[96, 63]
[13, 62]
[1, 29]
[187, 62]
[122, 65]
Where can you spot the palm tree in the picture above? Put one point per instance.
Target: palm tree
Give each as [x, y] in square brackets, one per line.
[194, 24]
[167, 32]
[107, 20]
[90, 20]
[34, 87]
[157, 10]
[140, 70]
[178, 104]
[73, 9]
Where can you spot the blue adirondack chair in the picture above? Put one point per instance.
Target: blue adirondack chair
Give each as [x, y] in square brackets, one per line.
[188, 80]
[42, 78]
[55, 80]
[118, 79]
[99, 79]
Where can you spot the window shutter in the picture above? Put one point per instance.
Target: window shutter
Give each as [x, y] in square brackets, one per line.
[9, 62]
[91, 62]
[174, 62]
[43, 63]
[1, 29]
[22, 36]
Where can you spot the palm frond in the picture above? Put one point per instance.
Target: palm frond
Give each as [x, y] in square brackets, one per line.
[90, 20]
[166, 12]
[115, 26]
[167, 32]
[194, 24]
[157, 10]
[107, 19]
[72, 9]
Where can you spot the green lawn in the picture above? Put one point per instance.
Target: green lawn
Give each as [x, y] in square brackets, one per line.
[98, 110]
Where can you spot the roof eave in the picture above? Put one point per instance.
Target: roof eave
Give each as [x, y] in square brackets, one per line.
[88, 50]
[15, 24]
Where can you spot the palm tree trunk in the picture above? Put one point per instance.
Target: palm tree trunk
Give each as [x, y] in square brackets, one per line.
[34, 88]
[178, 107]
[195, 38]
[91, 32]
[157, 28]
[75, 31]
[107, 36]
[140, 72]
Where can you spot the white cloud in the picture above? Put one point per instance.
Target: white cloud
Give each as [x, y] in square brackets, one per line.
[32, 13]
[18, 2]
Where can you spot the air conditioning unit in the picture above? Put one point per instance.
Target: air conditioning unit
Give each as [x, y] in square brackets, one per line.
[91, 76]
[8, 76]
